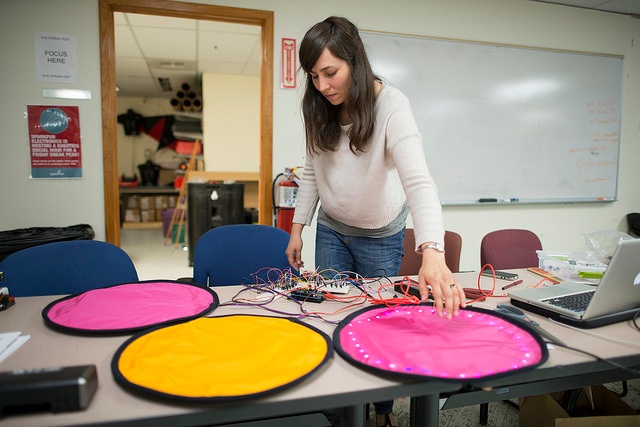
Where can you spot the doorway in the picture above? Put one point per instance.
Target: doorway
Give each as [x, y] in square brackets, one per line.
[264, 19]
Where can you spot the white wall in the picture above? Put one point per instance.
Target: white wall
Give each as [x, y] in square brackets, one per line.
[231, 122]
[27, 203]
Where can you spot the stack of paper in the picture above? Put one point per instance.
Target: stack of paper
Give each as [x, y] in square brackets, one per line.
[10, 342]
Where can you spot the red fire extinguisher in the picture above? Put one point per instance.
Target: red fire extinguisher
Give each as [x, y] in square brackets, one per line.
[287, 193]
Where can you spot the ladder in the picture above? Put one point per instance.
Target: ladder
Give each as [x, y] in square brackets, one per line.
[180, 210]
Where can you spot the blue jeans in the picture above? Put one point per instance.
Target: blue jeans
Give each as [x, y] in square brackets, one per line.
[366, 256]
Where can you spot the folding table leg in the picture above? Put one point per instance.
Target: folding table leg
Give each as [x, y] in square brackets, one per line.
[424, 410]
[352, 416]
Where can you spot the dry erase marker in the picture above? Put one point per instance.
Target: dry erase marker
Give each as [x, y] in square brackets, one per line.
[511, 285]
[487, 200]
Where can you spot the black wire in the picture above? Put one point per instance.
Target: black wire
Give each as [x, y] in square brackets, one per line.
[610, 362]
[634, 321]
[235, 300]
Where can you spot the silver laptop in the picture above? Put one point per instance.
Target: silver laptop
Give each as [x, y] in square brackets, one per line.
[616, 298]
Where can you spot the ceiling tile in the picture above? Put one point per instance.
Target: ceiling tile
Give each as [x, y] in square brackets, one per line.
[126, 44]
[166, 43]
[165, 22]
[228, 47]
[223, 67]
[131, 67]
[136, 86]
[226, 27]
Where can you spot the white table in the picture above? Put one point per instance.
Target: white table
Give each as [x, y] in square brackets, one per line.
[338, 384]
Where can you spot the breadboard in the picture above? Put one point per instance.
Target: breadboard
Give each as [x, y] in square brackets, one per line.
[337, 288]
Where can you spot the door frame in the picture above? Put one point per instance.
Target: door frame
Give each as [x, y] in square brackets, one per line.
[261, 18]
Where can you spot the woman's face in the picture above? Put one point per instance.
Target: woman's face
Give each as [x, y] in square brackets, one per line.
[331, 76]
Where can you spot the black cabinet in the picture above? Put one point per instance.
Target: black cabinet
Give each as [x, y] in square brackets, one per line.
[211, 205]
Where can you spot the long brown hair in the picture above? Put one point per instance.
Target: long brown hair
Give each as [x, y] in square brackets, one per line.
[322, 125]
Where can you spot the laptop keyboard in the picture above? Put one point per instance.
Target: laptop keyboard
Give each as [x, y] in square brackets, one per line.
[574, 302]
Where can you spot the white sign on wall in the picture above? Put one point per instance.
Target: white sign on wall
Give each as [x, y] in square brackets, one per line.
[55, 58]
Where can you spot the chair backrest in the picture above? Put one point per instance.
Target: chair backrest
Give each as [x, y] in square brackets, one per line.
[412, 261]
[68, 267]
[453, 248]
[510, 248]
[233, 254]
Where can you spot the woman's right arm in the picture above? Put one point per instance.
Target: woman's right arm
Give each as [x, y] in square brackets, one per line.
[306, 203]
[294, 249]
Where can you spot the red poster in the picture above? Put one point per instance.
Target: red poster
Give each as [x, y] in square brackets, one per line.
[54, 141]
[288, 63]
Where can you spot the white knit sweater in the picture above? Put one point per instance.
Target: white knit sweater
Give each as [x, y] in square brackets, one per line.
[365, 190]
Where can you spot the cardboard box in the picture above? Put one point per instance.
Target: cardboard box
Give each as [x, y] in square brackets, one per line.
[147, 215]
[133, 202]
[606, 421]
[132, 215]
[147, 202]
[162, 202]
[608, 410]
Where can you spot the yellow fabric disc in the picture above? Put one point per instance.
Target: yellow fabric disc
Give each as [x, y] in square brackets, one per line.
[222, 357]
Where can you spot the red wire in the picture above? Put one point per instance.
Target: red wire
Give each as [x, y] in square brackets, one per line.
[406, 298]
[483, 294]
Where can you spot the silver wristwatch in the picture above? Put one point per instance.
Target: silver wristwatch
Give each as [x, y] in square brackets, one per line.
[437, 246]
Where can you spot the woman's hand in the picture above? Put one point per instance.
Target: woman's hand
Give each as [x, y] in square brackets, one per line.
[447, 292]
[294, 248]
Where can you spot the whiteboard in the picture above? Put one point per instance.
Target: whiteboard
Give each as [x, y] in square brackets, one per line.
[509, 124]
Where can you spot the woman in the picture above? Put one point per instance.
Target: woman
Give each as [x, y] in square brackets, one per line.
[365, 164]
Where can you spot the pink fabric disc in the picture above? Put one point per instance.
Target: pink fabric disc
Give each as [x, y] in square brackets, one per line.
[413, 340]
[130, 307]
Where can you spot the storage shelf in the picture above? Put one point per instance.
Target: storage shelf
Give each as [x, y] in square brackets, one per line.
[148, 190]
[147, 215]
[141, 225]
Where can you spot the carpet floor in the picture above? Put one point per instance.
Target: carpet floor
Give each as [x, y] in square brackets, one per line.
[500, 413]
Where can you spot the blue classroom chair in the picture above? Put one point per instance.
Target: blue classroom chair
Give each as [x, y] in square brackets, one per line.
[233, 254]
[68, 267]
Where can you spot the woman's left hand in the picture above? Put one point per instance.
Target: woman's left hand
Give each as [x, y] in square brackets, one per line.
[448, 295]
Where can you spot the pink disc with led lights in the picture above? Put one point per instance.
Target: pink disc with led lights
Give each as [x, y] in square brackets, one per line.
[412, 340]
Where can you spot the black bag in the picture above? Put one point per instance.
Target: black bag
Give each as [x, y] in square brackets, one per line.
[14, 240]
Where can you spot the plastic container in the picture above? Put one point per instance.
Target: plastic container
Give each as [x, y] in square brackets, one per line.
[569, 266]
[167, 214]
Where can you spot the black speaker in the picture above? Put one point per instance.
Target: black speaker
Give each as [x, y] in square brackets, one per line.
[211, 205]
